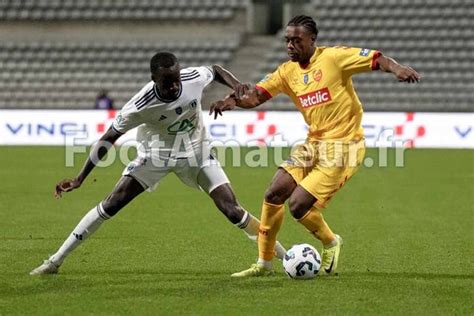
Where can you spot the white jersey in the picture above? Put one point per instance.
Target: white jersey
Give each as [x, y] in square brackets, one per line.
[168, 130]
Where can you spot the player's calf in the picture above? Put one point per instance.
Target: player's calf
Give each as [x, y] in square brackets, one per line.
[281, 188]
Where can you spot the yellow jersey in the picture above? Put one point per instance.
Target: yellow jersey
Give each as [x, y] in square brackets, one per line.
[323, 91]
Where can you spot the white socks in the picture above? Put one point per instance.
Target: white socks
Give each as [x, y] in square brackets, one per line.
[250, 225]
[87, 226]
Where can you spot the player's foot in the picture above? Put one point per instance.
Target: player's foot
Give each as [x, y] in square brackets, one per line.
[48, 267]
[256, 270]
[330, 257]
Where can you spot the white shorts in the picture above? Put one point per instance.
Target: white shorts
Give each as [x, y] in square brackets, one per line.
[206, 174]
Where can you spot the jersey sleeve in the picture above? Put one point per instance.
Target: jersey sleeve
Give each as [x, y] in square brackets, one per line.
[127, 119]
[273, 83]
[354, 60]
[206, 75]
[129, 116]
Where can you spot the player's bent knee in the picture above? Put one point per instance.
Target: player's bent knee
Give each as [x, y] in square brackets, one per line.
[299, 208]
[275, 197]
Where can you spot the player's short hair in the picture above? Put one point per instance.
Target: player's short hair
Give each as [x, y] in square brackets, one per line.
[162, 60]
[305, 21]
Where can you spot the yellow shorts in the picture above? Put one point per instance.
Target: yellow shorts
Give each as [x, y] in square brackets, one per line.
[322, 168]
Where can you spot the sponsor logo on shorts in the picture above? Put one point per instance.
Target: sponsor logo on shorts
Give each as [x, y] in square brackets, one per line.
[317, 97]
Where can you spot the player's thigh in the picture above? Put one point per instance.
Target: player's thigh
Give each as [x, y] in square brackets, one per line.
[126, 189]
[323, 183]
[147, 172]
[291, 173]
[281, 187]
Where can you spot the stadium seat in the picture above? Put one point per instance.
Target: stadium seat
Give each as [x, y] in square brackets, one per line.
[112, 10]
[69, 74]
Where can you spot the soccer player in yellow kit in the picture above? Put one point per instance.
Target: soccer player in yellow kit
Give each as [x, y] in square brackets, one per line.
[319, 81]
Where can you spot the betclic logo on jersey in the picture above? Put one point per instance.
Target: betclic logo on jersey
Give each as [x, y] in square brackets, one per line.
[317, 97]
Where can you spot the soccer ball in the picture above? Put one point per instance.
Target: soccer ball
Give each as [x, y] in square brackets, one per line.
[302, 262]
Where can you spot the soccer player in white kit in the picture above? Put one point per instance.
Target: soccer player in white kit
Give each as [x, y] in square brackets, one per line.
[172, 138]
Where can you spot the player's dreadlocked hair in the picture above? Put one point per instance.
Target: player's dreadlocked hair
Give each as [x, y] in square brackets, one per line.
[162, 60]
[306, 21]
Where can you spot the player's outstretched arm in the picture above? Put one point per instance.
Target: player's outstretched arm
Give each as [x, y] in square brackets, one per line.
[98, 152]
[245, 96]
[225, 77]
[402, 72]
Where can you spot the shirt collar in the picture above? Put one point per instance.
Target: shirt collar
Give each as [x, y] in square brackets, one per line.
[162, 99]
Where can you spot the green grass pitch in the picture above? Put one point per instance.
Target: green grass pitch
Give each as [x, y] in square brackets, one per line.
[408, 248]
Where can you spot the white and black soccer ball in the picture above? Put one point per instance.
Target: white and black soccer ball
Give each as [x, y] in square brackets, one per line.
[302, 262]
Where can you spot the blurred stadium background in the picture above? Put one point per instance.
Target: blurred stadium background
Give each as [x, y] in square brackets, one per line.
[58, 54]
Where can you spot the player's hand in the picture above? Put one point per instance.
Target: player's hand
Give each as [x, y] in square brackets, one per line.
[241, 90]
[407, 74]
[66, 185]
[222, 105]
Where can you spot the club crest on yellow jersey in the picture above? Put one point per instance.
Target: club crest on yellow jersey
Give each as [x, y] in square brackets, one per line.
[317, 75]
[305, 78]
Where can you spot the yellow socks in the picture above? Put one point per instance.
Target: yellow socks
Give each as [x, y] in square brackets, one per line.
[272, 218]
[314, 222]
